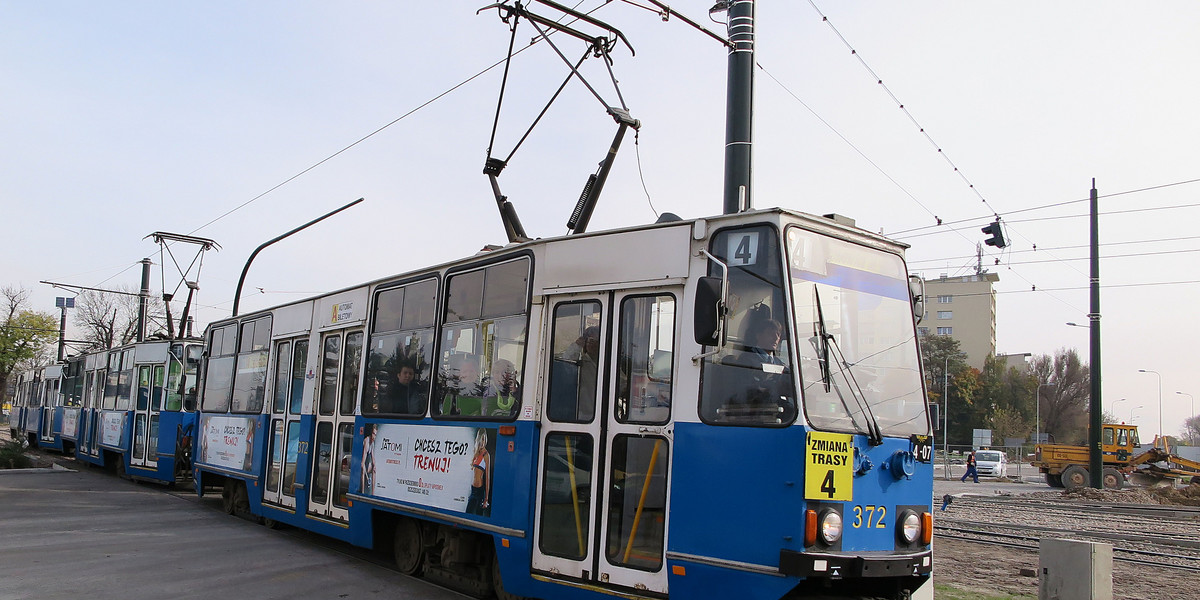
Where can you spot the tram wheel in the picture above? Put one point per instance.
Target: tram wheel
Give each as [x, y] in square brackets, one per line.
[1074, 477]
[498, 584]
[408, 547]
[270, 523]
[120, 468]
[1113, 479]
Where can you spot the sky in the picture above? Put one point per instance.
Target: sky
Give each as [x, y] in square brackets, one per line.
[122, 118]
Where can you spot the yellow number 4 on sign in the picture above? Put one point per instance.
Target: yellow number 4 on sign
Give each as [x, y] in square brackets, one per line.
[829, 468]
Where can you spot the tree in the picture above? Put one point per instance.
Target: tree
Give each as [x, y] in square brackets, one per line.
[1109, 418]
[1191, 430]
[1007, 398]
[111, 319]
[1065, 400]
[942, 356]
[24, 333]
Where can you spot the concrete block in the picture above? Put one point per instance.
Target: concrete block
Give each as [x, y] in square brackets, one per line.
[1074, 570]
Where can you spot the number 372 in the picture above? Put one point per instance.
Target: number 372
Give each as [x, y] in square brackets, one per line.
[874, 516]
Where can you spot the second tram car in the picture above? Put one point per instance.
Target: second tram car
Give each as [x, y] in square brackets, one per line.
[713, 408]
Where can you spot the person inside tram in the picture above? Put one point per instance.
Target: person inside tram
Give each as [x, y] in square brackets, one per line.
[503, 390]
[404, 395]
[764, 382]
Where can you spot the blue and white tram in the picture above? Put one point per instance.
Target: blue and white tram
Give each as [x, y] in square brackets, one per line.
[723, 407]
[25, 416]
[142, 418]
[37, 411]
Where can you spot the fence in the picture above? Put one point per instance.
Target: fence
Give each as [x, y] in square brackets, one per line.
[953, 460]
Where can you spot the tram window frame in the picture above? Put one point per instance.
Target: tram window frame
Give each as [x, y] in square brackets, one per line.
[556, 526]
[250, 375]
[571, 333]
[496, 335]
[763, 265]
[218, 373]
[403, 335]
[125, 381]
[628, 358]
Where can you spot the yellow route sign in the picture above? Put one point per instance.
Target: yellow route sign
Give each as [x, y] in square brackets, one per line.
[829, 466]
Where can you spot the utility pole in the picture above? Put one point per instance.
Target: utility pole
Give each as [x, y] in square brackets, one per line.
[1096, 458]
[63, 304]
[143, 298]
[946, 416]
[739, 106]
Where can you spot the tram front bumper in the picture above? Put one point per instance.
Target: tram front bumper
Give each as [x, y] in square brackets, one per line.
[873, 564]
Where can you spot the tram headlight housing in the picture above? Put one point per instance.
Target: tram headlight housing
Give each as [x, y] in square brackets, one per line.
[829, 527]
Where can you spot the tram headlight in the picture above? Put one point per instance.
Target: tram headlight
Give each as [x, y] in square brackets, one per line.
[910, 527]
[830, 527]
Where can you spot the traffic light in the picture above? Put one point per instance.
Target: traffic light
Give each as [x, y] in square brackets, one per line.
[997, 235]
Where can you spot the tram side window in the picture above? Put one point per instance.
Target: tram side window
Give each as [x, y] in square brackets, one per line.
[350, 368]
[125, 381]
[399, 363]
[218, 376]
[750, 382]
[574, 362]
[110, 380]
[250, 378]
[181, 377]
[645, 349]
[483, 343]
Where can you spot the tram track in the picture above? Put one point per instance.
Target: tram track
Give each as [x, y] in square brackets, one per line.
[1190, 563]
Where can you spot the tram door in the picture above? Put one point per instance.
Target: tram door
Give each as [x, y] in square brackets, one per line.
[291, 356]
[336, 396]
[606, 441]
[50, 399]
[150, 382]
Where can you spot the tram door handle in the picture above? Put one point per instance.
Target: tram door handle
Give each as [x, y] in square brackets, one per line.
[654, 431]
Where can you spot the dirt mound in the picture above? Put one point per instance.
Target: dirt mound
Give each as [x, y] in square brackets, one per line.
[1188, 496]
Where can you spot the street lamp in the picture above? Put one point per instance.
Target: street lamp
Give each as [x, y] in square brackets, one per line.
[1131, 412]
[1161, 433]
[1037, 422]
[1077, 325]
[1192, 403]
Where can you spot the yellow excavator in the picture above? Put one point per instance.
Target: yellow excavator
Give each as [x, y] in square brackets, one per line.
[1067, 466]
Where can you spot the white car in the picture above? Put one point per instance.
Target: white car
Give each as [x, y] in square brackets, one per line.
[991, 463]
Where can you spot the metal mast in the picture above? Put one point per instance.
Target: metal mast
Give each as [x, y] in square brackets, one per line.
[739, 104]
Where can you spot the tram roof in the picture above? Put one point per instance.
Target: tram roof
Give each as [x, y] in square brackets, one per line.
[765, 215]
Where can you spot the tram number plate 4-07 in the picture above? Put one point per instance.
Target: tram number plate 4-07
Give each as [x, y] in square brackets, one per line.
[922, 447]
[829, 466]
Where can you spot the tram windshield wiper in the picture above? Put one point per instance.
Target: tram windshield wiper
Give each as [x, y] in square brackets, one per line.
[823, 340]
[874, 432]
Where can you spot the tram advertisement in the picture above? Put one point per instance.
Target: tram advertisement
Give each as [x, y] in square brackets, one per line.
[446, 467]
[70, 423]
[227, 442]
[112, 426]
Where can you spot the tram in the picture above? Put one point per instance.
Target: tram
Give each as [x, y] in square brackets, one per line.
[36, 413]
[131, 408]
[708, 408]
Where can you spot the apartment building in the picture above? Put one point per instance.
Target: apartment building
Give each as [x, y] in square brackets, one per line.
[964, 308]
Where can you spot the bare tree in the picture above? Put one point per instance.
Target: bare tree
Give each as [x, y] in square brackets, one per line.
[1065, 400]
[111, 319]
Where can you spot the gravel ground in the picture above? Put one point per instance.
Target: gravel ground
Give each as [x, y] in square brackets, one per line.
[996, 569]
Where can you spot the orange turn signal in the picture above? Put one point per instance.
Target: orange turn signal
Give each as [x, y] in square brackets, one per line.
[810, 527]
[508, 430]
[926, 528]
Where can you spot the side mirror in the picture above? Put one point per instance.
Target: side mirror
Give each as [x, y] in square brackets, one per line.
[916, 289]
[708, 311]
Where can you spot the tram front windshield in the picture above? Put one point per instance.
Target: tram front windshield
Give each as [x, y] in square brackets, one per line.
[855, 337]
